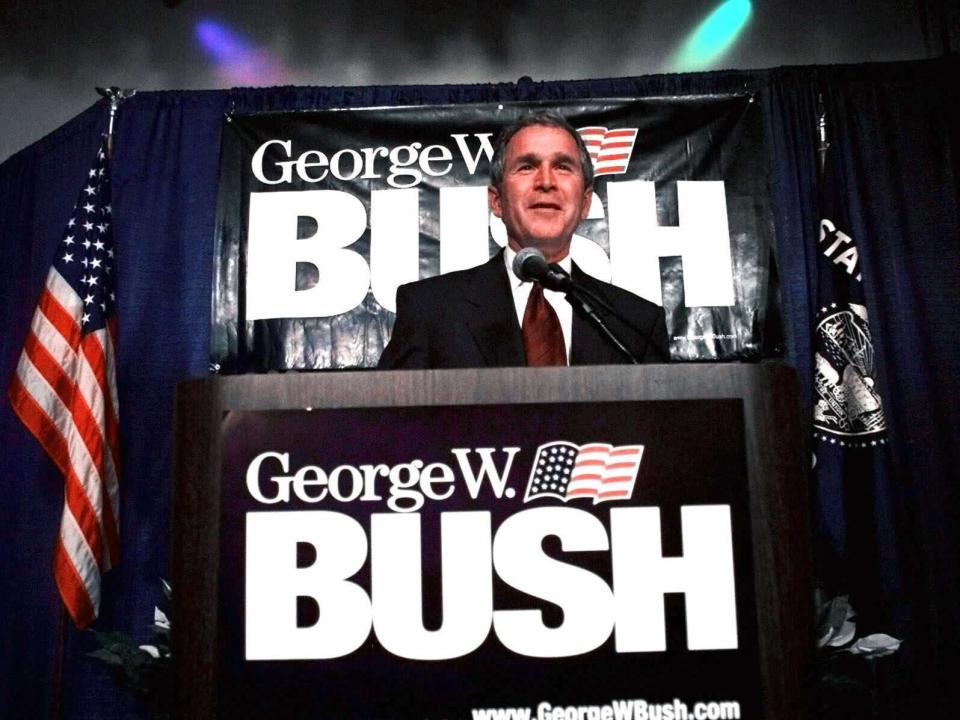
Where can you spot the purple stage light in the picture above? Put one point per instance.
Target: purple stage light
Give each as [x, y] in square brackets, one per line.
[219, 41]
[238, 62]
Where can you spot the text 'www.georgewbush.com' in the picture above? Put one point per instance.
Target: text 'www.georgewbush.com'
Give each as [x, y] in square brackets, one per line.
[615, 710]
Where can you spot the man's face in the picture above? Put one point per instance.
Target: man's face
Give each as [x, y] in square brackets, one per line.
[543, 197]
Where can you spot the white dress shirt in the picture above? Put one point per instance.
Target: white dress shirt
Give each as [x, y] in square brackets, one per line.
[521, 292]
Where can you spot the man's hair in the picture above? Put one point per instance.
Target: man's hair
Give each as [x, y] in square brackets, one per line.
[537, 117]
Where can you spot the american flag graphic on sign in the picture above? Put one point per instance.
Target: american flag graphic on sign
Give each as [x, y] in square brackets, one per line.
[65, 393]
[596, 471]
[610, 150]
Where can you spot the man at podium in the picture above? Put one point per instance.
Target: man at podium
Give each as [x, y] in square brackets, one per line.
[515, 311]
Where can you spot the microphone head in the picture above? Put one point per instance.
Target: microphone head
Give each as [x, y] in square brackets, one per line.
[529, 264]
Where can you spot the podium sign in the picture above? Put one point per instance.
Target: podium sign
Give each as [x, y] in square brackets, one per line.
[589, 542]
[585, 559]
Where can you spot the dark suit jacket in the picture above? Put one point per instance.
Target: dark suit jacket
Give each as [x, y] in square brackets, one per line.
[467, 319]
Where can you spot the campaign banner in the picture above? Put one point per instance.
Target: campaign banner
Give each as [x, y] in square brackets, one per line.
[588, 560]
[322, 215]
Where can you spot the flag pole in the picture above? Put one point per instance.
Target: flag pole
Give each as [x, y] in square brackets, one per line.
[822, 128]
[116, 96]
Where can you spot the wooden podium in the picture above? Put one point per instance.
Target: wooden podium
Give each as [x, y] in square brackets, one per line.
[774, 486]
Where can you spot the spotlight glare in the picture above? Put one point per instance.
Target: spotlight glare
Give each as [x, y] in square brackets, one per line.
[219, 40]
[237, 61]
[714, 36]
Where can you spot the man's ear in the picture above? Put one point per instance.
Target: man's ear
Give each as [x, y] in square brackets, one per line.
[587, 199]
[493, 200]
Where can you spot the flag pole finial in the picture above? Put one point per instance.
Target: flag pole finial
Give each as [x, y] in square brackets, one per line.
[822, 129]
[116, 96]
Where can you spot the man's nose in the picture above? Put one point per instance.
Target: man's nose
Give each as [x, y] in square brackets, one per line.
[545, 179]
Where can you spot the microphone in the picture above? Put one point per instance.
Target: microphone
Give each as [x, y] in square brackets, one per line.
[530, 264]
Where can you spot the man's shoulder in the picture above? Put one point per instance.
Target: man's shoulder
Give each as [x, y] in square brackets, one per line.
[451, 281]
[640, 322]
[614, 294]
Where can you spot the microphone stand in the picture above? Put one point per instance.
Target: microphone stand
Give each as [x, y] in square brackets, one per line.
[582, 304]
[530, 264]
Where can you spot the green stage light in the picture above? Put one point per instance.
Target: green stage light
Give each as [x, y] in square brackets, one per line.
[714, 36]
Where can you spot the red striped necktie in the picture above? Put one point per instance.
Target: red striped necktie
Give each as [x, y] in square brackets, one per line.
[543, 343]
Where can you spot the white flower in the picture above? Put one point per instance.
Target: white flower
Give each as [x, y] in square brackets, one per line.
[844, 634]
[876, 645]
[160, 619]
[836, 626]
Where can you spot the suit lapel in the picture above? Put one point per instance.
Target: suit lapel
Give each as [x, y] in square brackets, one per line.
[492, 320]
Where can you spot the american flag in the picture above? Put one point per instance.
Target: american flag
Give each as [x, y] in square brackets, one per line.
[610, 150]
[65, 392]
[566, 471]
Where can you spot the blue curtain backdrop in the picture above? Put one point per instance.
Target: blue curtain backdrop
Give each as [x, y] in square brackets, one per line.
[891, 537]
